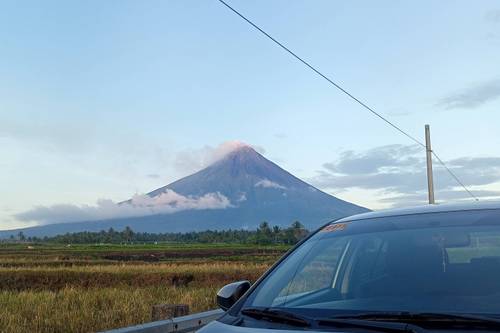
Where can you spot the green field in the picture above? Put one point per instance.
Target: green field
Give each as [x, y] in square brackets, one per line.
[88, 288]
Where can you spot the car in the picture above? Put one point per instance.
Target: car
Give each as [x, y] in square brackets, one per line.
[426, 269]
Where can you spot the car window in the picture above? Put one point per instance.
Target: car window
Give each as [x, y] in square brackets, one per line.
[432, 266]
[320, 264]
[481, 245]
[367, 262]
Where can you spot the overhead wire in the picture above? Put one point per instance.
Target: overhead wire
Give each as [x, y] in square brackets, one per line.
[350, 95]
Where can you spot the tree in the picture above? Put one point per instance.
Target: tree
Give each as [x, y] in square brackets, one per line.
[264, 227]
[264, 234]
[289, 236]
[299, 231]
[21, 236]
[128, 234]
[297, 225]
[276, 233]
[110, 235]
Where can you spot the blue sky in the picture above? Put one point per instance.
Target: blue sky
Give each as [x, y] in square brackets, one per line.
[104, 99]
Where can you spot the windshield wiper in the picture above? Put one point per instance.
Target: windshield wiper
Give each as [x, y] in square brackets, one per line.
[286, 317]
[378, 326]
[429, 319]
[277, 315]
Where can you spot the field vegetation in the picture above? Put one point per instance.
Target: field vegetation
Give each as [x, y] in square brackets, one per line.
[47, 287]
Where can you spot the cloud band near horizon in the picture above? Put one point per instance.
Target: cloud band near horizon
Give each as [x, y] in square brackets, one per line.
[399, 173]
[168, 202]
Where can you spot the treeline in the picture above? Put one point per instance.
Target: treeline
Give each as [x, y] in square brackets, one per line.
[264, 235]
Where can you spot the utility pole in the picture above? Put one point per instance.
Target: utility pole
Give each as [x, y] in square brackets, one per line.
[428, 150]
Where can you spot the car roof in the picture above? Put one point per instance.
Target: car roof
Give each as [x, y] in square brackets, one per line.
[437, 208]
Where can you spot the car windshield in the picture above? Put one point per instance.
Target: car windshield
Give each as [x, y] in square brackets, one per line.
[440, 262]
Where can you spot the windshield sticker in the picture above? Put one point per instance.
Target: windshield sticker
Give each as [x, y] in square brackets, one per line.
[334, 227]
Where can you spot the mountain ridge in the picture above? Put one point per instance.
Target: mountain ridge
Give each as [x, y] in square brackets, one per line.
[256, 188]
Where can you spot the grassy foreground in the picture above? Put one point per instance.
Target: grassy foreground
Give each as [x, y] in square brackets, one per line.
[98, 287]
[76, 310]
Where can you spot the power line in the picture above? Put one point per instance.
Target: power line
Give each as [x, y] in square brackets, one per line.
[357, 100]
[324, 76]
[454, 176]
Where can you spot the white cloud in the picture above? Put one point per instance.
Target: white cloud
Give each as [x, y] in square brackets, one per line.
[472, 97]
[242, 197]
[266, 183]
[197, 159]
[397, 173]
[140, 205]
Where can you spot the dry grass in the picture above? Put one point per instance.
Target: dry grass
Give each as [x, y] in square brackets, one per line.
[91, 310]
[195, 275]
[69, 291]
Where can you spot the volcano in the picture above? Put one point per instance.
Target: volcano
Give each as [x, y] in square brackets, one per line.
[260, 190]
[255, 189]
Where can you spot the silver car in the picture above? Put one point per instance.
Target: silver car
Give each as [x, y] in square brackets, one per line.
[427, 269]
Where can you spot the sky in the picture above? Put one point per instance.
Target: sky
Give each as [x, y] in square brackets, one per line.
[103, 100]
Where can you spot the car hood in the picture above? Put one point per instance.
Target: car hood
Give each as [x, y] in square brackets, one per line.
[218, 327]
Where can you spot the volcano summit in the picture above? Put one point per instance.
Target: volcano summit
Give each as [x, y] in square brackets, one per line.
[239, 190]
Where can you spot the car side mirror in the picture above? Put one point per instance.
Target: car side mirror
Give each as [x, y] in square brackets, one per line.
[230, 293]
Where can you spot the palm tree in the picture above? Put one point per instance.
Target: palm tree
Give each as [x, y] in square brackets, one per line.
[21, 236]
[128, 234]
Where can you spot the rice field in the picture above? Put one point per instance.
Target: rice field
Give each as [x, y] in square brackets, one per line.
[90, 288]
